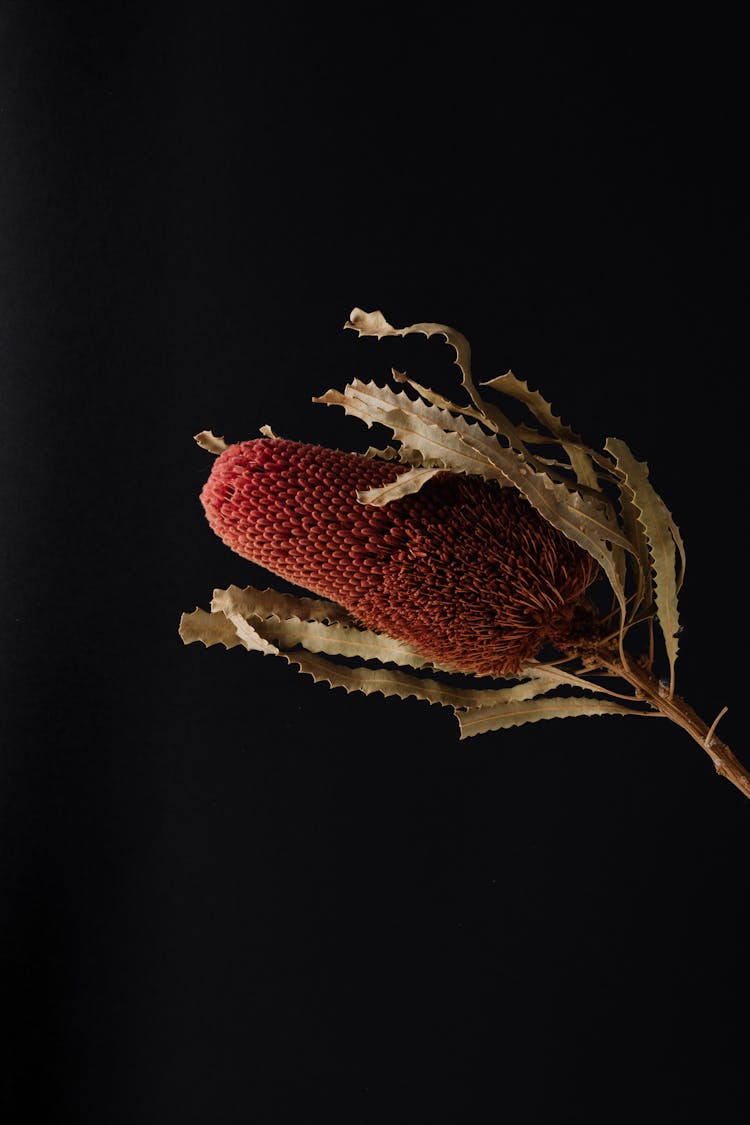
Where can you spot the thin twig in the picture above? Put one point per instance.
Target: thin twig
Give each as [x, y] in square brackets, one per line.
[715, 724]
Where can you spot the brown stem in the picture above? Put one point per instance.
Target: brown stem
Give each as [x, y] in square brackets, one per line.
[648, 688]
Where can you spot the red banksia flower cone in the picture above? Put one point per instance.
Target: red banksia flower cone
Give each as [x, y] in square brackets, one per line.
[464, 571]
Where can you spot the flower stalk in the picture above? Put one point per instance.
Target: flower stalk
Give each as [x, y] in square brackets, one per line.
[652, 691]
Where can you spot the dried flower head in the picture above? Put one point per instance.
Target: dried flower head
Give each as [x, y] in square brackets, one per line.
[465, 571]
[461, 549]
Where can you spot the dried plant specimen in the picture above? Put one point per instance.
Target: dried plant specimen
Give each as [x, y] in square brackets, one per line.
[475, 548]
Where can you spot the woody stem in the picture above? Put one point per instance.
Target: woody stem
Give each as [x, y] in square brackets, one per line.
[648, 688]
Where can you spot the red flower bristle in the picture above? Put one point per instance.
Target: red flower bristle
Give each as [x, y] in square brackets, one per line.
[465, 571]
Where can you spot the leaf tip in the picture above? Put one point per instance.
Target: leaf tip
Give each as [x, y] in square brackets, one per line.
[210, 442]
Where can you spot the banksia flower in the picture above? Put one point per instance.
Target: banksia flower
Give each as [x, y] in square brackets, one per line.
[460, 550]
[465, 571]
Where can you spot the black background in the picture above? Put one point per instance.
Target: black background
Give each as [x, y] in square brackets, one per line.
[231, 895]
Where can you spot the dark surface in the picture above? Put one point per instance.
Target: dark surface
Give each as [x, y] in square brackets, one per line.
[230, 895]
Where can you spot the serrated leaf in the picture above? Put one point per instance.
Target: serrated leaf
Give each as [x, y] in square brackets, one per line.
[434, 398]
[288, 621]
[405, 485]
[510, 384]
[375, 324]
[507, 715]
[663, 543]
[384, 680]
[210, 628]
[573, 445]
[429, 430]
[389, 453]
[404, 685]
[273, 636]
[558, 675]
[249, 636]
[635, 531]
[489, 415]
[263, 603]
[339, 640]
[536, 685]
[212, 443]
[232, 629]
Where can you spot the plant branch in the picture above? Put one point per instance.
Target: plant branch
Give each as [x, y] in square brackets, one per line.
[648, 688]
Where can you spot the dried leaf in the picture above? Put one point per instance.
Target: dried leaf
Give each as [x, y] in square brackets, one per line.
[429, 430]
[250, 602]
[288, 621]
[209, 441]
[405, 485]
[375, 324]
[268, 432]
[514, 714]
[644, 594]
[384, 680]
[557, 675]
[435, 399]
[210, 628]
[231, 629]
[249, 636]
[489, 415]
[573, 445]
[272, 635]
[510, 384]
[339, 640]
[659, 527]
[531, 688]
[389, 453]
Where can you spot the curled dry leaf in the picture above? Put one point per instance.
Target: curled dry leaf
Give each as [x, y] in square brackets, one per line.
[515, 714]
[662, 537]
[210, 442]
[405, 485]
[600, 500]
